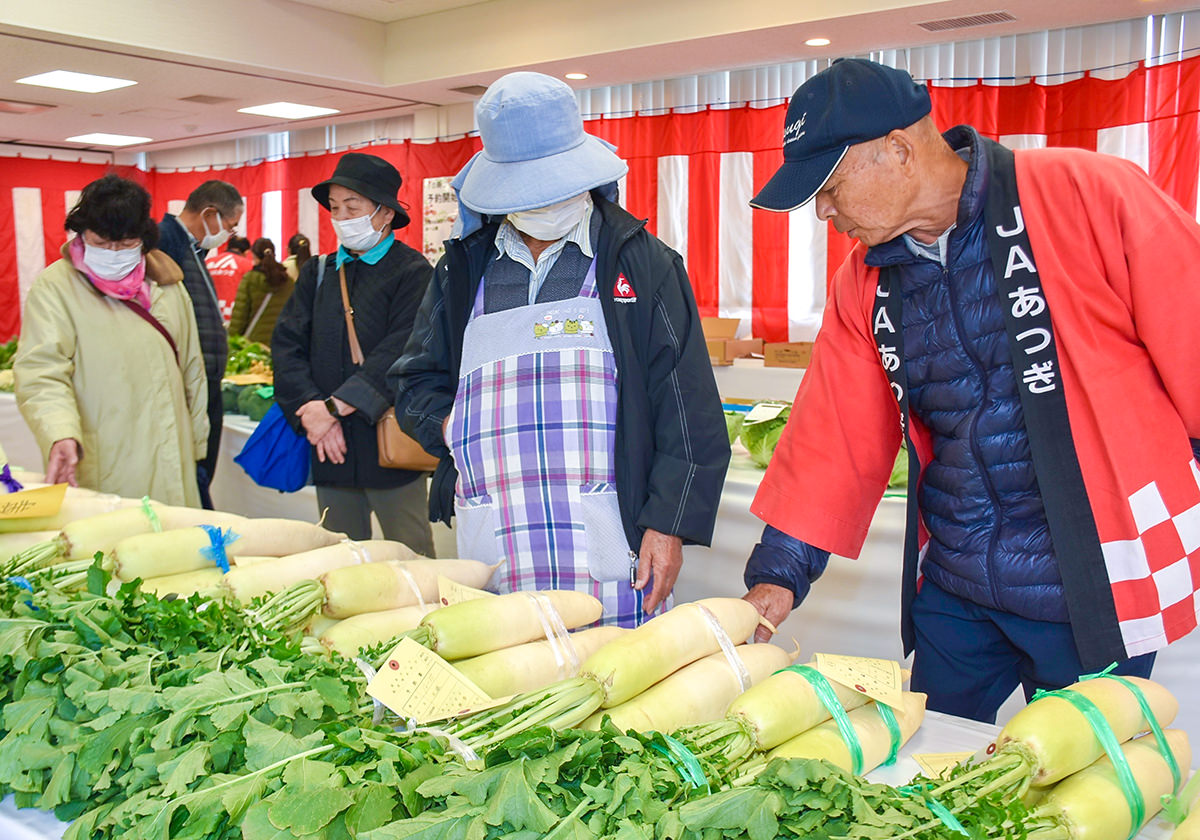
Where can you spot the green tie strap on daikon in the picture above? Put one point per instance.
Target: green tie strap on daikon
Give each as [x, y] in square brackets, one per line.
[1112, 748]
[936, 808]
[1176, 806]
[686, 764]
[1155, 728]
[155, 523]
[829, 700]
[893, 726]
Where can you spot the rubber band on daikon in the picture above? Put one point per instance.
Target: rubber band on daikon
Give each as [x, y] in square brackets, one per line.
[686, 764]
[219, 543]
[1112, 748]
[411, 581]
[566, 658]
[1156, 729]
[893, 728]
[155, 522]
[359, 551]
[936, 808]
[11, 485]
[369, 673]
[735, 662]
[837, 711]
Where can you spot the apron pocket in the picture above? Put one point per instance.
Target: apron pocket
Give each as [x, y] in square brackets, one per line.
[475, 529]
[607, 548]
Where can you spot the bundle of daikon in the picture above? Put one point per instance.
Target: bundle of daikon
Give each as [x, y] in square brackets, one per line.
[620, 670]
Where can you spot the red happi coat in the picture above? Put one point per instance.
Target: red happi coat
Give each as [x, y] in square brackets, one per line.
[1117, 259]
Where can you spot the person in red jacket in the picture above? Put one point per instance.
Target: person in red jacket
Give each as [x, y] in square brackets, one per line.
[1024, 323]
[227, 269]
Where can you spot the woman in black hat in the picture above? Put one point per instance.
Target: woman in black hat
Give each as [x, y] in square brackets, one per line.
[331, 359]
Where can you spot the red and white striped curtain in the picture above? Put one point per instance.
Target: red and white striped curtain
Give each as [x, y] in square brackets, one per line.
[690, 175]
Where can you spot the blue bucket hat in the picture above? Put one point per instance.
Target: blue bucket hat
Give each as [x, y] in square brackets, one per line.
[850, 102]
[535, 151]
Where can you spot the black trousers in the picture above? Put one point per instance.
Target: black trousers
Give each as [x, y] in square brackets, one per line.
[206, 468]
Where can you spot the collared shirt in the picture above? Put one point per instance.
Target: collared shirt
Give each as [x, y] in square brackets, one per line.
[370, 257]
[509, 243]
[935, 251]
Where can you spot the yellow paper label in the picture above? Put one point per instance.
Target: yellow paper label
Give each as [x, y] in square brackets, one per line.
[416, 683]
[879, 679]
[26, 504]
[934, 764]
[452, 592]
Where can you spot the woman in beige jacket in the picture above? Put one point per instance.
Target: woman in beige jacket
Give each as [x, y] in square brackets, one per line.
[108, 370]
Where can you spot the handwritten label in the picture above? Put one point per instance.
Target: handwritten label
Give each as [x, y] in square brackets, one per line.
[934, 764]
[27, 504]
[416, 683]
[879, 679]
[763, 412]
[452, 592]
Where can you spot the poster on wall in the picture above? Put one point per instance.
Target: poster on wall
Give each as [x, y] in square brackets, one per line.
[439, 212]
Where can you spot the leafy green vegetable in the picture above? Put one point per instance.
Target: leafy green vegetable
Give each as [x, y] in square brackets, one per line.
[761, 438]
[247, 356]
[733, 424]
[900, 470]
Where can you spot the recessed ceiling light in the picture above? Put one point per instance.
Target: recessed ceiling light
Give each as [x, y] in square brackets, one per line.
[817, 42]
[102, 139]
[577, 76]
[287, 110]
[80, 82]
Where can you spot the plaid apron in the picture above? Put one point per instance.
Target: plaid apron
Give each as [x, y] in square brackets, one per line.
[532, 434]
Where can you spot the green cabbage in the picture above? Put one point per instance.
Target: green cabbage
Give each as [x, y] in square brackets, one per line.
[761, 438]
[255, 400]
[733, 424]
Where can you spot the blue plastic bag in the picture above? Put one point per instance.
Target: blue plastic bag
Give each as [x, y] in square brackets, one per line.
[274, 455]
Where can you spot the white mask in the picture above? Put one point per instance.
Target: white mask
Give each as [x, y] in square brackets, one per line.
[358, 234]
[213, 240]
[553, 221]
[111, 265]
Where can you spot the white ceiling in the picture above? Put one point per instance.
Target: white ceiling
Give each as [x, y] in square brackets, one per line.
[382, 58]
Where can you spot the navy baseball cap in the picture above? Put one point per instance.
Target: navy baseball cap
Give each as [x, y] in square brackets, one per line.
[850, 102]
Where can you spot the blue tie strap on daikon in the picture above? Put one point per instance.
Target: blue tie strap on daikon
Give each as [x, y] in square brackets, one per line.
[837, 711]
[936, 808]
[686, 764]
[147, 509]
[217, 551]
[1112, 748]
[893, 727]
[1156, 729]
[23, 583]
[10, 483]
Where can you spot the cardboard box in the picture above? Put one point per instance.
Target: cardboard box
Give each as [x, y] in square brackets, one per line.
[720, 328]
[793, 354]
[724, 351]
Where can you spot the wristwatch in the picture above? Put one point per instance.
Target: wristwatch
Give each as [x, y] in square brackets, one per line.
[332, 406]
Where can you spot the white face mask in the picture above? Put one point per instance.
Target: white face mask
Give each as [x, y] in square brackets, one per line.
[111, 265]
[358, 234]
[213, 240]
[553, 221]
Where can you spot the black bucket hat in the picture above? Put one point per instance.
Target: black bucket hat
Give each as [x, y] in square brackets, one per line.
[367, 175]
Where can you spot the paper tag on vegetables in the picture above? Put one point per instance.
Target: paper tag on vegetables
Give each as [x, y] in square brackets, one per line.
[416, 683]
[452, 592]
[879, 679]
[763, 412]
[934, 764]
[26, 504]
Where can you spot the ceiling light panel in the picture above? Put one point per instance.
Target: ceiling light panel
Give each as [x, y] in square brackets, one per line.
[287, 111]
[102, 139]
[79, 82]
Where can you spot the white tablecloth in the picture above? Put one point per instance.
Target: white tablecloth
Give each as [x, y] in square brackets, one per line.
[938, 734]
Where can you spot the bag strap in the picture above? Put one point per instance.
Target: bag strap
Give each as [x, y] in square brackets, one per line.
[262, 307]
[154, 322]
[356, 353]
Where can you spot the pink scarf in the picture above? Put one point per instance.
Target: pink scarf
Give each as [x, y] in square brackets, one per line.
[133, 286]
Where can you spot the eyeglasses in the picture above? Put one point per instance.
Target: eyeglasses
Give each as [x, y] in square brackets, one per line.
[229, 227]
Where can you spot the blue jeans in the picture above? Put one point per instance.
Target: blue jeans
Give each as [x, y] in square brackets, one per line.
[969, 658]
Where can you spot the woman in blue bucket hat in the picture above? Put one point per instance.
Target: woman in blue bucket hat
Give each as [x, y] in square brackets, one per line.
[558, 359]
